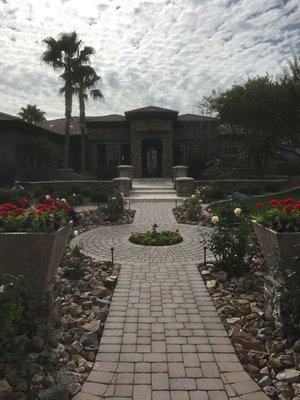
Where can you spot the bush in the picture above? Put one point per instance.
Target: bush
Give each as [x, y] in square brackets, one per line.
[86, 192]
[197, 163]
[232, 243]
[75, 199]
[99, 197]
[74, 263]
[272, 187]
[211, 192]
[11, 304]
[44, 190]
[12, 196]
[115, 207]
[193, 206]
[154, 238]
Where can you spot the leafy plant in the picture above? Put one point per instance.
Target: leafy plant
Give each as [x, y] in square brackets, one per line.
[211, 192]
[193, 206]
[232, 243]
[11, 304]
[154, 238]
[280, 215]
[115, 207]
[99, 197]
[74, 263]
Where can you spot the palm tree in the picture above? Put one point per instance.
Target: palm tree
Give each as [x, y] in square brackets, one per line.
[61, 54]
[32, 114]
[84, 86]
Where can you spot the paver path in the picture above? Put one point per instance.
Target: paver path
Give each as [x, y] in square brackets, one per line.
[163, 338]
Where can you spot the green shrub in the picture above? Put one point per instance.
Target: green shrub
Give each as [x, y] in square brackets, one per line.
[115, 207]
[211, 192]
[232, 242]
[73, 263]
[86, 192]
[99, 197]
[153, 238]
[11, 302]
[12, 196]
[193, 206]
[272, 187]
[75, 199]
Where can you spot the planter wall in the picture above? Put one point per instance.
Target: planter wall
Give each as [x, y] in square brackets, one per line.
[277, 246]
[36, 256]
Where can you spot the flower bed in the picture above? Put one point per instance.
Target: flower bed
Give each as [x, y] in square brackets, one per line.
[154, 238]
[48, 216]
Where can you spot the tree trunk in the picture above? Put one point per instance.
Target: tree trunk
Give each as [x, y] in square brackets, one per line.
[83, 131]
[68, 114]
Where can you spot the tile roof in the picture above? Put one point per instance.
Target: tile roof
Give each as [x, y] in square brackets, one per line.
[195, 117]
[7, 117]
[107, 118]
[58, 126]
[150, 109]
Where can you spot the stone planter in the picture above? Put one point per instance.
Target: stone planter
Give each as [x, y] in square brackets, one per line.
[283, 247]
[36, 256]
[184, 186]
[123, 185]
[124, 171]
[180, 171]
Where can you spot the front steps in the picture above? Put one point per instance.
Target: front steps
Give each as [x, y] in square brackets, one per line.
[153, 190]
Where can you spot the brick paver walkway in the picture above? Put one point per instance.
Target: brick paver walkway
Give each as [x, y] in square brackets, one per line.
[163, 338]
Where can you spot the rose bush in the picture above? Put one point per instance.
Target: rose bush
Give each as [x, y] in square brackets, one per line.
[193, 206]
[47, 216]
[279, 215]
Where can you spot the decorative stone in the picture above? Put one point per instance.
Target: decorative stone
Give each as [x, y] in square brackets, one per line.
[5, 389]
[89, 340]
[92, 326]
[54, 393]
[289, 375]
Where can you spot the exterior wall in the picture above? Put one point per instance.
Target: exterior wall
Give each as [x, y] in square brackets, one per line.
[152, 129]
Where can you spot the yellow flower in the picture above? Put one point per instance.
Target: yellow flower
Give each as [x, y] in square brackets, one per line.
[63, 200]
[48, 197]
[215, 219]
[238, 212]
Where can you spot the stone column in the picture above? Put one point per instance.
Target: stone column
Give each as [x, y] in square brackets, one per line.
[184, 186]
[123, 185]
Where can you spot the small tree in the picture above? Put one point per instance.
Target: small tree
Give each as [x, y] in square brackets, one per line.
[32, 114]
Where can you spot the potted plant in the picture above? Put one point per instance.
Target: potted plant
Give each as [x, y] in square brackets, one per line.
[32, 238]
[277, 228]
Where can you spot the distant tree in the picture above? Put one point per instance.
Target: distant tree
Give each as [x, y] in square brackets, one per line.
[85, 86]
[62, 54]
[32, 114]
[265, 111]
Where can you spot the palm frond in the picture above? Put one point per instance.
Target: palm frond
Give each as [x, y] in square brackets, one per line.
[97, 94]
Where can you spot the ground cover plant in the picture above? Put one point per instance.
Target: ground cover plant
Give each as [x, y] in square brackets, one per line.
[155, 238]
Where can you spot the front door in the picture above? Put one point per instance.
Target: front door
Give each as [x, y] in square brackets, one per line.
[152, 158]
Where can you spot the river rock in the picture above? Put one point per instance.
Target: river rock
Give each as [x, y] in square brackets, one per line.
[54, 393]
[248, 341]
[5, 389]
[289, 375]
[89, 340]
[92, 326]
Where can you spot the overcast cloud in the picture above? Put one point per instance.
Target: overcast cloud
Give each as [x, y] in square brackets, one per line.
[167, 53]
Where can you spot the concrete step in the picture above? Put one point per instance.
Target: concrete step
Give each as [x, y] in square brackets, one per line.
[160, 187]
[154, 195]
[153, 191]
[175, 200]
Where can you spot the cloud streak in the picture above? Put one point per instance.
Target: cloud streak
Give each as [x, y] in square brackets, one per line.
[162, 52]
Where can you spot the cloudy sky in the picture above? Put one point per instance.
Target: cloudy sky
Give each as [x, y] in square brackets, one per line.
[167, 53]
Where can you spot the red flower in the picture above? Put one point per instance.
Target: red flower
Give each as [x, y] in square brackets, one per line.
[288, 208]
[274, 202]
[288, 201]
[24, 203]
[259, 205]
[297, 206]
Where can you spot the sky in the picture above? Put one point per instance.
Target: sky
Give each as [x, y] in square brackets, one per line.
[167, 53]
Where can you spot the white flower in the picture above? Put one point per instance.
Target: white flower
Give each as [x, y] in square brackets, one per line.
[238, 212]
[76, 233]
[74, 194]
[215, 219]
[122, 194]
[48, 197]
[192, 196]
[63, 200]
[200, 201]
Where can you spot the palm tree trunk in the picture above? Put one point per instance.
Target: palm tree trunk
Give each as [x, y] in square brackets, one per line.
[83, 131]
[68, 114]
